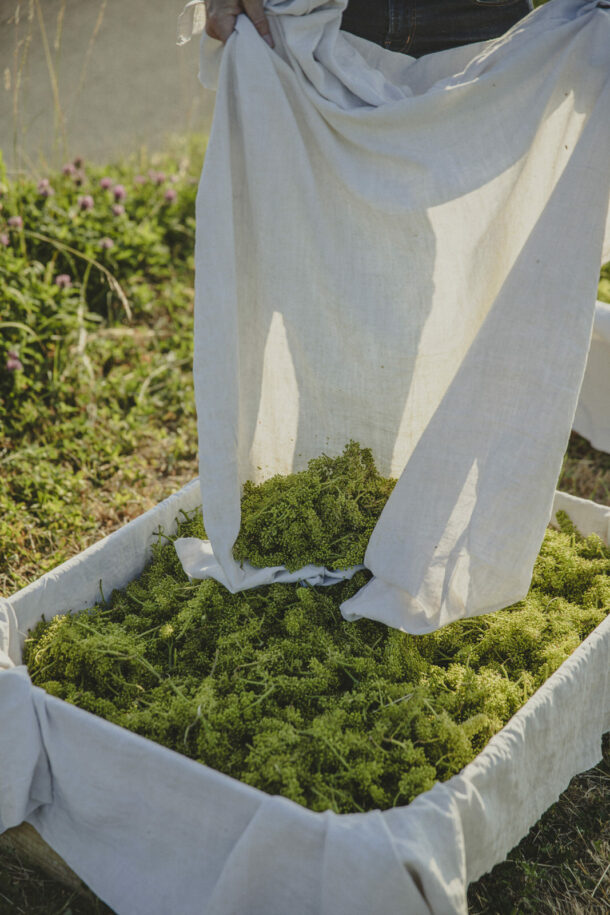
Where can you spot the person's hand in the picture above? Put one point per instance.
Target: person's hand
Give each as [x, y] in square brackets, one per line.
[221, 15]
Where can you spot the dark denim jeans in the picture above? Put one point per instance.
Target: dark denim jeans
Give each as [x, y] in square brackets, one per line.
[419, 27]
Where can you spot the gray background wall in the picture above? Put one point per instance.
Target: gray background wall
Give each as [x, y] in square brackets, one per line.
[121, 80]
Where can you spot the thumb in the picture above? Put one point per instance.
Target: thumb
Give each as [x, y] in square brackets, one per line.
[255, 12]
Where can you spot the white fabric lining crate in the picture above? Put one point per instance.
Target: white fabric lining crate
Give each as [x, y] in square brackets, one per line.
[592, 417]
[153, 832]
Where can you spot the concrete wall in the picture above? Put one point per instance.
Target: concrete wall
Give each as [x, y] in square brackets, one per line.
[121, 80]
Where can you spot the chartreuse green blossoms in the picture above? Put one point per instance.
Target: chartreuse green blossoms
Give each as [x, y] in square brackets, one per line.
[274, 688]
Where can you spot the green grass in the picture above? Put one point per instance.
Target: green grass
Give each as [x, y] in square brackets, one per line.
[26, 890]
[98, 422]
[562, 866]
[99, 425]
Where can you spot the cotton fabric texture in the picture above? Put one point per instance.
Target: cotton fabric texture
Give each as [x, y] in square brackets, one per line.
[154, 833]
[405, 253]
[592, 417]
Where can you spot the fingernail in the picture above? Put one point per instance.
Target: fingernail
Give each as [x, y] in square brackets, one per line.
[269, 40]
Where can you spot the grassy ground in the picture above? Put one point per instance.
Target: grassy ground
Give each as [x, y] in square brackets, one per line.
[97, 424]
[562, 866]
[28, 891]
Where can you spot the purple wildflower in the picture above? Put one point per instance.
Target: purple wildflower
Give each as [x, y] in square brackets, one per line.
[68, 169]
[13, 362]
[15, 222]
[118, 209]
[78, 162]
[4, 239]
[106, 182]
[157, 177]
[63, 280]
[86, 202]
[119, 192]
[106, 243]
[44, 188]
[170, 195]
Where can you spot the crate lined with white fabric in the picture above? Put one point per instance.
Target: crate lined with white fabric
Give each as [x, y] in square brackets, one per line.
[152, 831]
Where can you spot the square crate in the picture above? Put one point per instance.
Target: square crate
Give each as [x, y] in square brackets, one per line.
[151, 831]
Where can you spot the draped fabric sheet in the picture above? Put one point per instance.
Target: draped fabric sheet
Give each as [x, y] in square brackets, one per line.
[592, 417]
[405, 253]
[154, 833]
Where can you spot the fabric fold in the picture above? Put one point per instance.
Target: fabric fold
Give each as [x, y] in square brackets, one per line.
[592, 419]
[10, 648]
[25, 776]
[191, 21]
[198, 561]
[404, 253]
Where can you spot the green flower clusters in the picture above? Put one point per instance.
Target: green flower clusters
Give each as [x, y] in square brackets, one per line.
[324, 515]
[273, 687]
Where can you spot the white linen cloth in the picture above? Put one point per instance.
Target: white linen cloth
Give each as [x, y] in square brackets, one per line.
[406, 253]
[592, 417]
[154, 833]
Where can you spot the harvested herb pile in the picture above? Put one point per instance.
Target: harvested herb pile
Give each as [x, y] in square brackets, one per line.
[324, 515]
[274, 688]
